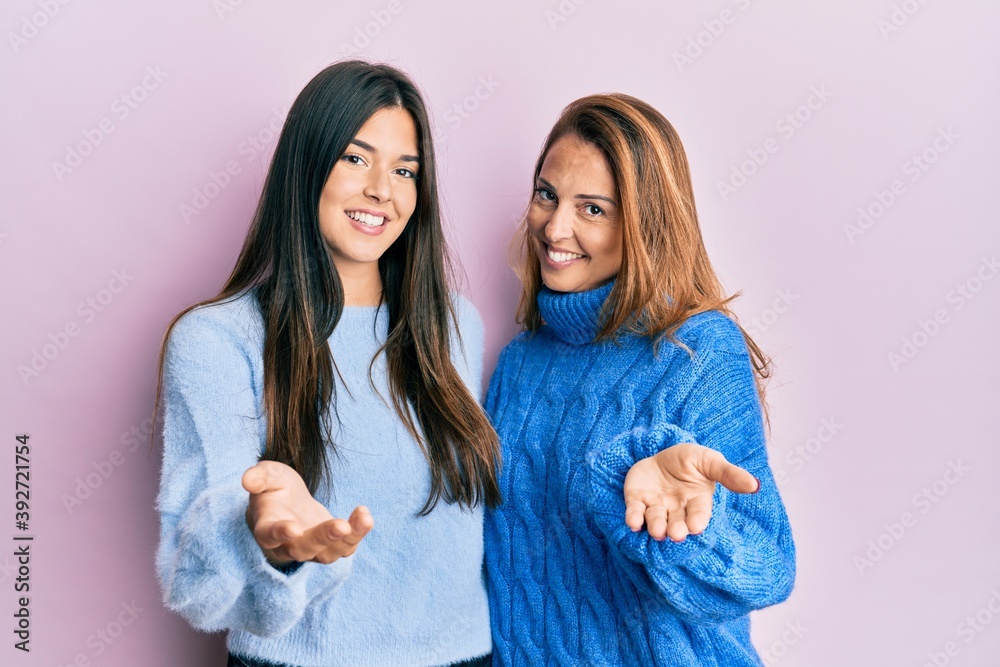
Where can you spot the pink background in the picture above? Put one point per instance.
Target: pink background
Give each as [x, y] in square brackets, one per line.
[887, 576]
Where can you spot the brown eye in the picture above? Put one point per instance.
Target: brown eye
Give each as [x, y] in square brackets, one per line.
[544, 194]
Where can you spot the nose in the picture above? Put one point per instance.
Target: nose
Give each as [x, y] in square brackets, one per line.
[559, 226]
[378, 188]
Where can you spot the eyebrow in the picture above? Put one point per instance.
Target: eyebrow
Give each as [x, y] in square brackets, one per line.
[601, 197]
[372, 149]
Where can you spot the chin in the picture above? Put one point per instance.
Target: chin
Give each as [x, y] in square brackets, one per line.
[557, 284]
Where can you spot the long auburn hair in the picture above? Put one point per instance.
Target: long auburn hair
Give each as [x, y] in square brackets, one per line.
[665, 275]
[288, 266]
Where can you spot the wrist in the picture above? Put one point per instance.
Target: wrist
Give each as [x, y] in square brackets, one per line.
[285, 567]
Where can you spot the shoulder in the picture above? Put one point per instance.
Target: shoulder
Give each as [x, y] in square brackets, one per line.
[232, 323]
[712, 332]
[467, 317]
[215, 351]
[525, 354]
[467, 329]
[720, 374]
[468, 341]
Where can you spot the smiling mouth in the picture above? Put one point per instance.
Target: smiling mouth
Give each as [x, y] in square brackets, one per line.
[366, 219]
[560, 256]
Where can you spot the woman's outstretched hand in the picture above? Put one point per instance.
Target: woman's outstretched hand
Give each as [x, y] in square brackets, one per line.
[290, 525]
[672, 491]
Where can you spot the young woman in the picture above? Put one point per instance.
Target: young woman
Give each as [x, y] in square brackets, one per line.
[629, 411]
[328, 379]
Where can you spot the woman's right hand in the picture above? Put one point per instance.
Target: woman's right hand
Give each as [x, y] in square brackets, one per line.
[671, 492]
[290, 525]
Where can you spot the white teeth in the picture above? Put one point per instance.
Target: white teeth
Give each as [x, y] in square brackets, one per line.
[366, 219]
[561, 256]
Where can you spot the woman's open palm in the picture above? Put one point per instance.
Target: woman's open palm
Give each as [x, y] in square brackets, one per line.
[290, 525]
[671, 492]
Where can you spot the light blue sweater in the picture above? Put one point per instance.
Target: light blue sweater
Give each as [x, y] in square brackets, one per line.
[570, 583]
[412, 594]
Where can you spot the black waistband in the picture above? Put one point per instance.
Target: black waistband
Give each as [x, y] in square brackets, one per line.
[242, 661]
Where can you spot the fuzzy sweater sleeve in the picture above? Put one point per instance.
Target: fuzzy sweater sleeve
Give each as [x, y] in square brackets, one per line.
[745, 559]
[210, 568]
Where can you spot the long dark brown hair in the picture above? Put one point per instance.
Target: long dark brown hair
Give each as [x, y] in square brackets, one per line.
[665, 275]
[288, 266]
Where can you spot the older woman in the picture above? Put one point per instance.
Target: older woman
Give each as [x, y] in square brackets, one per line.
[630, 412]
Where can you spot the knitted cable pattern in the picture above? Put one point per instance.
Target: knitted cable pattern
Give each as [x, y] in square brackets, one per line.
[569, 582]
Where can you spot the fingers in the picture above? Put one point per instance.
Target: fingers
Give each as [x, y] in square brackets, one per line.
[344, 536]
[739, 480]
[635, 514]
[699, 512]
[289, 543]
[669, 519]
[659, 521]
[267, 476]
[322, 538]
[674, 522]
[673, 494]
[639, 482]
[348, 533]
[679, 521]
[733, 477]
[677, 528]
[273, 534]
[361, 521]
[656, 521]
[332, 539]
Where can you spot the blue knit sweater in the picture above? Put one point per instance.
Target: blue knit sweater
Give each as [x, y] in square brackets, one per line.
[570, 583]
[412, 594]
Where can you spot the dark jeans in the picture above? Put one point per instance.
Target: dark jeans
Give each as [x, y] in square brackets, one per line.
[240, 661]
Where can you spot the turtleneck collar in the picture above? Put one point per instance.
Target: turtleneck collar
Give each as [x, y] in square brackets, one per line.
[573, 316]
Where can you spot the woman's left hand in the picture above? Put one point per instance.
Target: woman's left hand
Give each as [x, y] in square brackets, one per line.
[671, 492]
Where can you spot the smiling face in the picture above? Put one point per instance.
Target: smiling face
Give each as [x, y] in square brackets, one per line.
[573, 220]
[370, 194]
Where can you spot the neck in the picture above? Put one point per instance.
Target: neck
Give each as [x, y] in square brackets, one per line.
[362, 284]
[575, 317]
